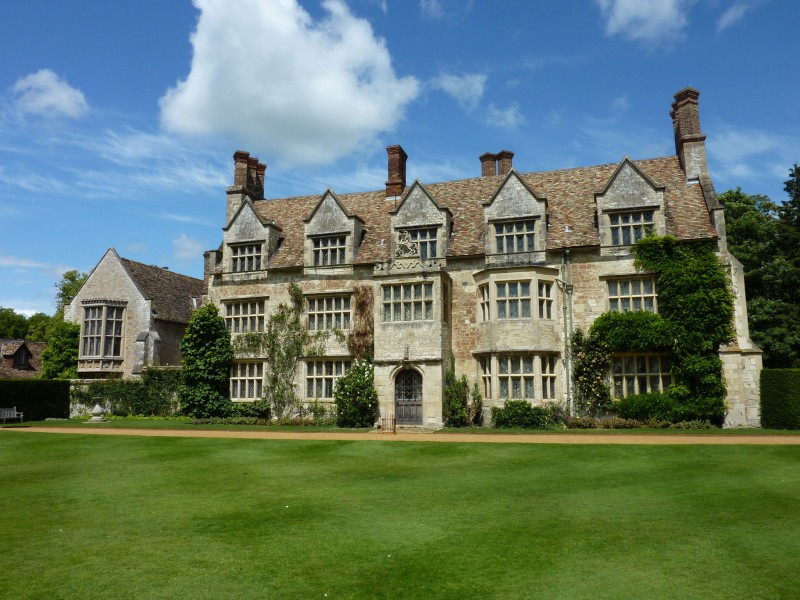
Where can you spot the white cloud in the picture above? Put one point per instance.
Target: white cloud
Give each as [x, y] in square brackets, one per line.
[275, 79]
[186, 249]
[734, 13]
[620, 104]
[652, 21]
[432, 9]
[745, 153]
[45, 93]
[466, 89]
[508, 118]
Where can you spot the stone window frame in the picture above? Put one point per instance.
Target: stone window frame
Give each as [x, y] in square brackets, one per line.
[534, 374]
[246, 382]
[635, 229]
[402, 302]
[426, 240]
[96, 340]
[324, 308]
[246, 257]
[329, 250]
[248, 318]
[22, 358]
[635, 300]
[527, 237]
[484, 303]
[639, 373]
[504, 305]
[546, 297]
[321, 376]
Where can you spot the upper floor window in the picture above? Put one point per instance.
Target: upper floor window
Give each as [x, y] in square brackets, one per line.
[22, 358]
[329, 250]
[629, 227]
[102, 331]
[408, 302]
[545, 300]
[514, 300]
[245, 257]
[425, 241]
[635, 293]
[244, 317]
[328, 313]
[486, 376]
[640, 373]
[247, 381]
[517, 236]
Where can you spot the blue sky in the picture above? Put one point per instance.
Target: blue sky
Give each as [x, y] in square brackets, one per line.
[118, 120]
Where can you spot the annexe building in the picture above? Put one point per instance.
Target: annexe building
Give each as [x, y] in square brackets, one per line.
[495, 271]
[131, 315]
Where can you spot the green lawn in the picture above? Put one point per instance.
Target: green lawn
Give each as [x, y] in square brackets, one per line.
[135, 517]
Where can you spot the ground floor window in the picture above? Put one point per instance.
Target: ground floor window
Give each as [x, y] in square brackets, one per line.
[247, 381]
[321, 376]
[640, 373]
[519, 376]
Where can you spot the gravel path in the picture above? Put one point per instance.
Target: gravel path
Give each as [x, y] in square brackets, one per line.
[424, 436]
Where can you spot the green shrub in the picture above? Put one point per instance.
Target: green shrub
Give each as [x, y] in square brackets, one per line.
[207, 355]
[37, 399]
[154, 395]
[780, 398]
[355, 396]
[460, 406]
[644, 407]
[676, 404]
[519, 414]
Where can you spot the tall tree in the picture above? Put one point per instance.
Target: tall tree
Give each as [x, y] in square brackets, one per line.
[66, 289]
[765, 237]
[60, 357]
[38, 327]
[13, 326]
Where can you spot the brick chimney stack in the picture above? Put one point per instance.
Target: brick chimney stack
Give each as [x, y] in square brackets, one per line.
[488, 164]
[396, 182]
[690, 143]
[504, 162]
[248, 180]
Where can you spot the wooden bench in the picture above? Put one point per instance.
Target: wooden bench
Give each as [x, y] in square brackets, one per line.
[10, 413]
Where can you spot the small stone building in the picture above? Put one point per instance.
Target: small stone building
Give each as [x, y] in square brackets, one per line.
[495, 271]
[131, 315]
[20, 359]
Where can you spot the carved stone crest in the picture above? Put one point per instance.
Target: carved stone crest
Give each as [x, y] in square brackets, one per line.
[405, 246]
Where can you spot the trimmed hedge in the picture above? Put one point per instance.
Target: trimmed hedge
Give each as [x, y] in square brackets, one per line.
[519, 414]
[780, 398]
[37, 399]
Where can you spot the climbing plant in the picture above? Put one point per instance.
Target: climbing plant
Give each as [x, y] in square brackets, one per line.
[695, 318]
[285, 341]
[460, 406]
[361, 341]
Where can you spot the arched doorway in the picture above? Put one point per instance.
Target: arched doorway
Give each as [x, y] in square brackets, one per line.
[408, 397]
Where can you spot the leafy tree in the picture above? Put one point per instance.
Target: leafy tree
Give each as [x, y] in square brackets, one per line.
[765, 238]
[39, 325]
[60, 357]
[207, 355]
[13, 326]
[356, 397]
[66, 289]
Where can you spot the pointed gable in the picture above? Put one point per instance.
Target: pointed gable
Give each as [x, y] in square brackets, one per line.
[419, 208]
[514, 199]
[329, 216]
[629, 187]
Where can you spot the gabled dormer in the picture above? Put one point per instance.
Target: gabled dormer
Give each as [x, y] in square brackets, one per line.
[248, 241]
[420, 227]
[515, 222]
[332, 235]
[629, 207]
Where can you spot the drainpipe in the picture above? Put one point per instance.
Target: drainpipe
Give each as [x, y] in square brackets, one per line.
[566, 276]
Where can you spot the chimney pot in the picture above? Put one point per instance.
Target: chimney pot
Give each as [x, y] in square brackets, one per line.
[240, 160]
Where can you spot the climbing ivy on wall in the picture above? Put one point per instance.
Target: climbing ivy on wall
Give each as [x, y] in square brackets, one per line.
[695, 318]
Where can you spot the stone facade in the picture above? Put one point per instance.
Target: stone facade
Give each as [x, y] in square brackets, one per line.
[494, 271]
[131, 316]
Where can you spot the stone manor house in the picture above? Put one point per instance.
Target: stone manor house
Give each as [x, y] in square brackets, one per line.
[495, 271]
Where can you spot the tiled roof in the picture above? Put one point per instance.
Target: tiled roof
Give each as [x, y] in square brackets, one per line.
[570, 195]
[7, 350]
[170, 292]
